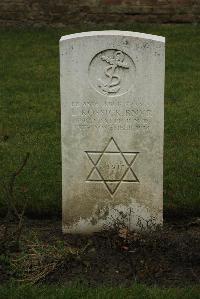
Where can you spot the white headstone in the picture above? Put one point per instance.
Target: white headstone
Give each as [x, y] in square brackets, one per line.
[112, 110]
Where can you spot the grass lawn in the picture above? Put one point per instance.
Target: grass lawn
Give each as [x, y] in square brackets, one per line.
[59, 292]
[30, 117]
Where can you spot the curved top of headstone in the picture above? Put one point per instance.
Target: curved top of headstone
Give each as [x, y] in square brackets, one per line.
[113, 33]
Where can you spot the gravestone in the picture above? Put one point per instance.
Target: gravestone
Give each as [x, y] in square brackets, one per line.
[112, 123]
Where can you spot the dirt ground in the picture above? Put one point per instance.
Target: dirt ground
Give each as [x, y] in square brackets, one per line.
[167, 257]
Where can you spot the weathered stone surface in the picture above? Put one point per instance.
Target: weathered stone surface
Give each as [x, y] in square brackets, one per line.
[112, 93]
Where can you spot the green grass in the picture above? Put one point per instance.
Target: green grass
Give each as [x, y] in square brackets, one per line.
[30, 114]
[59, 292]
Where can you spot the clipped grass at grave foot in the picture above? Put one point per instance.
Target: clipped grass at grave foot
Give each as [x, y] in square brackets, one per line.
[77, 291]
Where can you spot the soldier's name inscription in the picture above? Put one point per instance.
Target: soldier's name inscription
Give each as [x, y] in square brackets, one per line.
[111, 115]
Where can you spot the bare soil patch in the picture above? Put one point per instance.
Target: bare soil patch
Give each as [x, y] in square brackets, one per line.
[167, 257]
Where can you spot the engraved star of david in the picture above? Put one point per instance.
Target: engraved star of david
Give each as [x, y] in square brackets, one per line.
[112, 166]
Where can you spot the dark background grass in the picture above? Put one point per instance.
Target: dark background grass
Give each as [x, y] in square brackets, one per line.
[30, 115]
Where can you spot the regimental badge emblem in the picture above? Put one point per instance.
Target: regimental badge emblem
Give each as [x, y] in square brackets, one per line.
[112, 72]
[112, 167]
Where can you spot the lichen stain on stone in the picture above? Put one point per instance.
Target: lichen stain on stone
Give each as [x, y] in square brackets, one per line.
[100, 214]
[128, 216]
